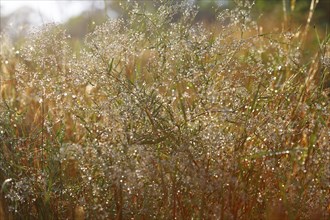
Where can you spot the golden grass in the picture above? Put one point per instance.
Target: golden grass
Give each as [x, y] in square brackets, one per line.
[162, 119]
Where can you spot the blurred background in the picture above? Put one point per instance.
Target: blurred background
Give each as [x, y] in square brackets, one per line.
[81, 17]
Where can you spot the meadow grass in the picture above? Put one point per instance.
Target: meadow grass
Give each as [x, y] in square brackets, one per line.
[162, 117]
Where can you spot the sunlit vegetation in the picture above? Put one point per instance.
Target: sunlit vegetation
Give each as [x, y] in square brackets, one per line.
[158, 116]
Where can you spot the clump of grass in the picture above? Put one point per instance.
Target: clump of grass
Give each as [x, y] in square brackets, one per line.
[162, 117]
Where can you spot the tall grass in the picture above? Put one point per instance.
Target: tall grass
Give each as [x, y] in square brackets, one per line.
[160, 117]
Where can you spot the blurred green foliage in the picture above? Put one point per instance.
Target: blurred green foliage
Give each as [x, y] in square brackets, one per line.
[265, 10]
